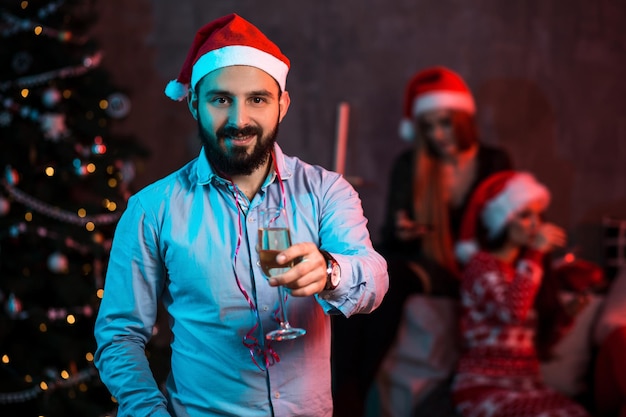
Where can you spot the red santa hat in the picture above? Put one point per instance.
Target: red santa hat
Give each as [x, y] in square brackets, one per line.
[229, 40]
[430, 89]
[496, 200]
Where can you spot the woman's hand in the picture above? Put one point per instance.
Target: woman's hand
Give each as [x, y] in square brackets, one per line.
[549, 237]
[574, 306]
[407, 229]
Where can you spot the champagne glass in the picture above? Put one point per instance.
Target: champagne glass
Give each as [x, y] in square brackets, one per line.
[273, 239]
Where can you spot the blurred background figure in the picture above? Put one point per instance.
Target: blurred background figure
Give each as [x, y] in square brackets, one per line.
[610, 366]
[428, 192]
[505, 240]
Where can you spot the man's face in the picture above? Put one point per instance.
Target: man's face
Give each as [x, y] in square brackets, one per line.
[238, 109]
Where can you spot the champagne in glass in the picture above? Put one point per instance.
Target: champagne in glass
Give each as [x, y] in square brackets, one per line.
[273, 239]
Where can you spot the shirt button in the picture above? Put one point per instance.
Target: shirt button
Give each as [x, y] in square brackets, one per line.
[277, 394]
[265, 308]
[251, 219]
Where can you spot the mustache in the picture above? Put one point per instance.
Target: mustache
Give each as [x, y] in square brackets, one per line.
[232, 131]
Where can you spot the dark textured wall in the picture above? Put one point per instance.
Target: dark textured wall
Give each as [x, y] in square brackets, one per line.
[548, 76]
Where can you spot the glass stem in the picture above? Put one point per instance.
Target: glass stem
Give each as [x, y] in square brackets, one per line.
[283, 311]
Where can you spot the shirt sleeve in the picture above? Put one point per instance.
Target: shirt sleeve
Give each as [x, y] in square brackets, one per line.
[127, 315]
[506, 300]
[344, 234]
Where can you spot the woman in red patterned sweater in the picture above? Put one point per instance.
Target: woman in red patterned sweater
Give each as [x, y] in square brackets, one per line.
[505, 240]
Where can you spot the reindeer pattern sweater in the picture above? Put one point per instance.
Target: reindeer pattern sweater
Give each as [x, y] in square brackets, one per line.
[498, 371]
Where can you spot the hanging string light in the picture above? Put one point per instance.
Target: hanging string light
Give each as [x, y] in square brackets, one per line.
[89, 62]
[47, 386]
[55, 212]
[13, 25]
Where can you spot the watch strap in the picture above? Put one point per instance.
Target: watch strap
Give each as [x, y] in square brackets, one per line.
[331, 264]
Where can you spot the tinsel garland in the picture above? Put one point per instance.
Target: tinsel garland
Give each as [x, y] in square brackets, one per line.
[45, 11]
[32, 393]
[89, 62]
[55, 212]
[23, 227]
[52, 314]
[16, 25]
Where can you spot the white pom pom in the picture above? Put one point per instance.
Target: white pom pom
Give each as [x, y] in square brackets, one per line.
[464, 250]
[406, 131]
[176, 90]
[58, 263]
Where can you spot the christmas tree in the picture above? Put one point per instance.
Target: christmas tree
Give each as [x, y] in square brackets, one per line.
[64, 181]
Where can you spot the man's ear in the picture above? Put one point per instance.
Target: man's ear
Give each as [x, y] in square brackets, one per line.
[283, 105]
[192, 103]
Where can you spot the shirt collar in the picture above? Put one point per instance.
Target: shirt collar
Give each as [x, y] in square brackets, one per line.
[206, 174]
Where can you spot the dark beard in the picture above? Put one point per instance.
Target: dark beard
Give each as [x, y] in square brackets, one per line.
[238, 162]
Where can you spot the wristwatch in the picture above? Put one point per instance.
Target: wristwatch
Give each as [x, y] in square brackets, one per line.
[333, 271]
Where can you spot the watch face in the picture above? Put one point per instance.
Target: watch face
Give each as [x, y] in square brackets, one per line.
[335, 275]
[333, 271]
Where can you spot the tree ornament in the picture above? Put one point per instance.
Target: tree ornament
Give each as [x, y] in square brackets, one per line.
[5, 118]
[98, 147]
[5, 206]
[58, 263]
[51, 97]
[126, 169]
[11, 175]
[53, 126]
[13, 306]
[119, 105]
[21, 62]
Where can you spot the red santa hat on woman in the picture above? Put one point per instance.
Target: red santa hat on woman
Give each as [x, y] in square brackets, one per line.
[430, 89]
[496, 200]
[229, 40]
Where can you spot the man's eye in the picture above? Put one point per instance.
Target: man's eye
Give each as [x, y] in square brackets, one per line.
[220, 100]
[258, 100]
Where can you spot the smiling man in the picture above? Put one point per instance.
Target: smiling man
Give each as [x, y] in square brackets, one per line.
[190, 241]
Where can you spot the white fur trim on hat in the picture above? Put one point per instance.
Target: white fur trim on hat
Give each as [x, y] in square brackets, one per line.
[240, 55]
[518, 192]
[406, 130]
[443, 99]
[464, 250]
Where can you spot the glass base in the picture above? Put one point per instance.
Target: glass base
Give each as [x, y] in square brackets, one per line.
[286, 333]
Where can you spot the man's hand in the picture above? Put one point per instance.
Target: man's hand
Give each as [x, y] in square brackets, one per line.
[308, 274]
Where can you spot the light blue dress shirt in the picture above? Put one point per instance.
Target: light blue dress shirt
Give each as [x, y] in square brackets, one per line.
[176, 243]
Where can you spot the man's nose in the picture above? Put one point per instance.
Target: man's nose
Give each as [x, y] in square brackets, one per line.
[238, 114]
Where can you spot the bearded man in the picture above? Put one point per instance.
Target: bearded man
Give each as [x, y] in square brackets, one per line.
[190, 241]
